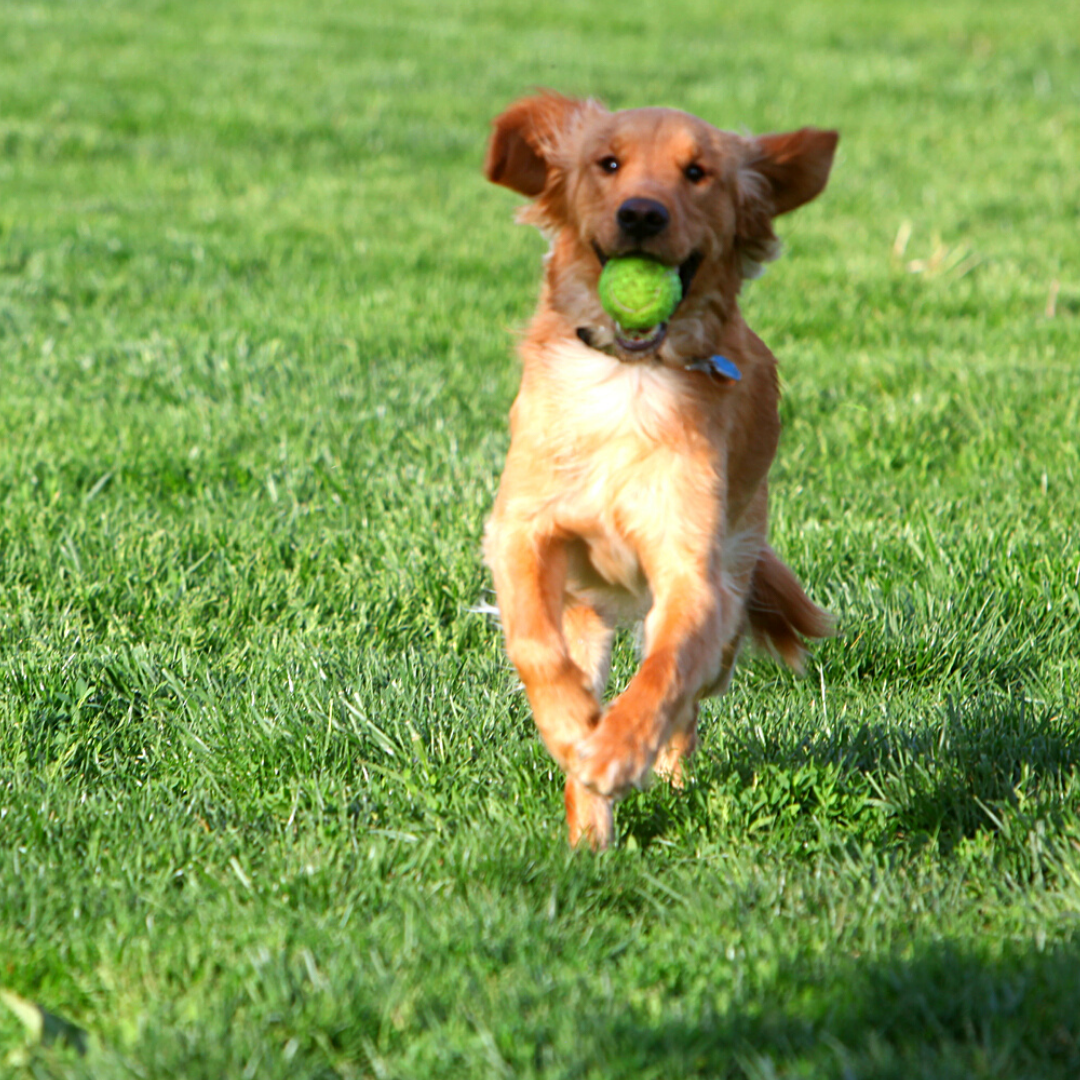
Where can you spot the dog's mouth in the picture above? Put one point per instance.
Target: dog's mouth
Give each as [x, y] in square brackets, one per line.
[640, 341]
[649, 339]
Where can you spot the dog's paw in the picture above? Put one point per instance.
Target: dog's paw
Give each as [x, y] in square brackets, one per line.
[614, 758]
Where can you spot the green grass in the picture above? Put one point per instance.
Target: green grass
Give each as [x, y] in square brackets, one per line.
[270, 799]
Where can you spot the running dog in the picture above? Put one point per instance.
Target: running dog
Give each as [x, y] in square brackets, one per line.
[636, 482]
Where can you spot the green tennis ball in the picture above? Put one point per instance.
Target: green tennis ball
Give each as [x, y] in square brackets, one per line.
[639, 293]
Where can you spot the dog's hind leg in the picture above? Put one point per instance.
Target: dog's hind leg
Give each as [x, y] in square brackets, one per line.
[684, 738]
[681, 744]
[588, 638]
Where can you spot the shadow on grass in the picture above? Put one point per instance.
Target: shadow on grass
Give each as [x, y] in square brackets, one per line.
[987, 764]
[943, 1012]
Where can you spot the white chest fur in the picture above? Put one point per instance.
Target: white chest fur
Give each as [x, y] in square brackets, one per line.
[599, 397]
[621, 455]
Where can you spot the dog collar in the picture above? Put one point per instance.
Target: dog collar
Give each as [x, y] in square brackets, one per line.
[718, 366]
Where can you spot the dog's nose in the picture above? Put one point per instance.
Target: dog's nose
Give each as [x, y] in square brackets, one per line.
[642, 218]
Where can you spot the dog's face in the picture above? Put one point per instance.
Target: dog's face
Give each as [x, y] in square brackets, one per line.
[657, 182]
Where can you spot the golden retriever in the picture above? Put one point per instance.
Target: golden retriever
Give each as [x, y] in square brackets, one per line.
[636, 481]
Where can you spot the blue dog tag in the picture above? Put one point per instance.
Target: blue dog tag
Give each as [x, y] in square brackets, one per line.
[720, 366]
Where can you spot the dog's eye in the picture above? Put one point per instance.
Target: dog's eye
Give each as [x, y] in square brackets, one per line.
[609, 164]
[694, 173]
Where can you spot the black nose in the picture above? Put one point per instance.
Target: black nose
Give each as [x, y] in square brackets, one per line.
[642, 218]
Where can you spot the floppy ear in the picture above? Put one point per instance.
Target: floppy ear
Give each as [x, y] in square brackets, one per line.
[781, 172]
[795, 166]
[524, 140]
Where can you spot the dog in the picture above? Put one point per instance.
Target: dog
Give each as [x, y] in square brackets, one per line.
[636, 483]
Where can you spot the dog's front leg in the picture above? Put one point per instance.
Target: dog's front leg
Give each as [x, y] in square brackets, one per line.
[590, 817]
[684, 637]
[530, 579]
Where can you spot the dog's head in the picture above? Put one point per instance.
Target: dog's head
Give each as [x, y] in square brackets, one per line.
[657, 182]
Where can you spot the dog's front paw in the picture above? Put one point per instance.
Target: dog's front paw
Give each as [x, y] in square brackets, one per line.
[615, 757]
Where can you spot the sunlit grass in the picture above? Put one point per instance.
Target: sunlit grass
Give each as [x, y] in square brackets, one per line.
[270, 799]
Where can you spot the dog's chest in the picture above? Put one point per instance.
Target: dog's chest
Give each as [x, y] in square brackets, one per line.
[628, 474]
[594, 400]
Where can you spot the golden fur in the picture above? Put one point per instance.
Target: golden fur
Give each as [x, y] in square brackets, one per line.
[636, 487]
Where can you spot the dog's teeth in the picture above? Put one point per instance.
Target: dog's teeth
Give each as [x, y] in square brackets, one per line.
[639, 335]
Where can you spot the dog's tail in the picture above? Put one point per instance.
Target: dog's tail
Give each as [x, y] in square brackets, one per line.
[780, 612]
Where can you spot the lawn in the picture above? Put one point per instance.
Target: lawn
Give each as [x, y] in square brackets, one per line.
[271, 804]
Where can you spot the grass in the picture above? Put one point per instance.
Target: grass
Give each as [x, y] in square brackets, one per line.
[270, 801]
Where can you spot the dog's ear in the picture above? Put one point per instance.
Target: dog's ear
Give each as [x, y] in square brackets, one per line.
[780, 173]
[524, 140]
[795, 166]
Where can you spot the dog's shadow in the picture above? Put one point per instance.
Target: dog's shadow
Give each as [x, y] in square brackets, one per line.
[974, 773]
[988, 764]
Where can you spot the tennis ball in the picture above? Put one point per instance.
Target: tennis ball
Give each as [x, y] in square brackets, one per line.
[639, 293]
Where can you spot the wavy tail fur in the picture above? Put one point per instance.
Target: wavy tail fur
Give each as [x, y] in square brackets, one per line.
[781, 614]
